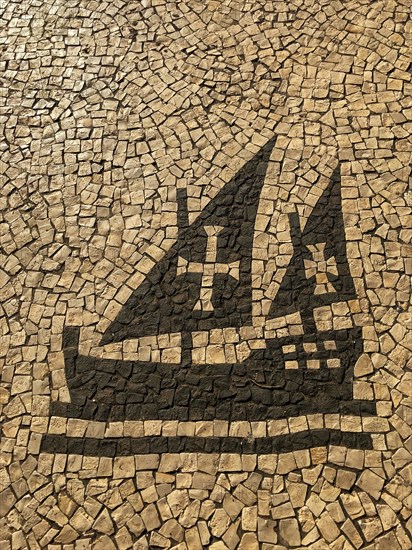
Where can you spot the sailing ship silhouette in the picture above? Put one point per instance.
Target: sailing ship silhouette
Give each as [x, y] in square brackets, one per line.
[204, 283]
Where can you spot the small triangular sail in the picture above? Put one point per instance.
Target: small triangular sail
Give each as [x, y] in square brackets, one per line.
[204, 281]
[318, 273]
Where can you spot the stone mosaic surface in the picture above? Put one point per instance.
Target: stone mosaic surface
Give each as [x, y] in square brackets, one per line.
[205, 275]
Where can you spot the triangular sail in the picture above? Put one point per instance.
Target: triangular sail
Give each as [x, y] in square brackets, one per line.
[204, 281]
[318, 273]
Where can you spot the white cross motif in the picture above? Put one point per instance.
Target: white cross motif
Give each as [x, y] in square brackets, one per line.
[320, 267]
[208, 269]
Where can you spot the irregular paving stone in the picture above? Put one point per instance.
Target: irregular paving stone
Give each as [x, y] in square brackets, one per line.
[249, 541]
[327, 527]
[371, 528]
[289, 532]
[178, 501]
[103, 523]
[231, 537]
[219, 522]
[371, 483]
[352, 533]
[150, 517]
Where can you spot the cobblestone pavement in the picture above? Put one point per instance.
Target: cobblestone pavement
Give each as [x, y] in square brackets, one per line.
[204, 279]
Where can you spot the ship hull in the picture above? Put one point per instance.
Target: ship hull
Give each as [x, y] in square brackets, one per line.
[260, 388]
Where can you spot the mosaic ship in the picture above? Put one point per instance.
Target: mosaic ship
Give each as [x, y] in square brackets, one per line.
[204, 283]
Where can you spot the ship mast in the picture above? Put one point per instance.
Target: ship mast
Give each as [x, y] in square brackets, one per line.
[306, 308]
[186, 342]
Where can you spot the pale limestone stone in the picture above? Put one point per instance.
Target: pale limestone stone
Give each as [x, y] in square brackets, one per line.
[253, 481]
[249, 541]
[104, 542]
[249, 462]
[371, 528]
[152, 427]
[231, 537]
[363, 366]
[387, 516]
[114, 429]
[237, 478]
[220, 545]
[249, 518]
[133, 429]
[319, 455]
[220, 428]
[240, 429]
[105, 467]
[204, 532]
[277, 427]
[171, 529]
[177, 500]
[66, 505]
[315, 504]
[282, 511]
[327, 527]
[329, 493]
[311, 475]
[355, 459]
[387, 541]
[219, 522]
[8, 500]
[150, 517]
[66, 535]
[190, 515]
[144, 479]
[259, 429]
[297, 493]
[203, 481]
[279, 498]
[136, 525]
[289, 532]
[207, 508]
[230, 463]
[81, 521]
[123, 539]
[169, 463]
[336, 512]
[371, 483]
[311, 537]
[192, 539]
[147, 462]
[245, 495]
[4, 396]
[306, 519]
[208, 463]
[150, 494]
[345, 479]
[124, 467]
[159, 541]
[266, 530]
[141, 544]
[103, 523]
[232, 506]
[286, 463]
[352, 505]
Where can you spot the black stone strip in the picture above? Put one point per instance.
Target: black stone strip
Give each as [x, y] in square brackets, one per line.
[124, 446]
[247, 411]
